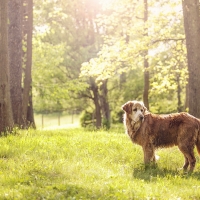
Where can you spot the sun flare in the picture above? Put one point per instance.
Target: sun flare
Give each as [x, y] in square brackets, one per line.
[105, 3]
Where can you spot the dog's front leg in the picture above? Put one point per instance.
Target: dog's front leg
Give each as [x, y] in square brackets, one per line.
[149, 153]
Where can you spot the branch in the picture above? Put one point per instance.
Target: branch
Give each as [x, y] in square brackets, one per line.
[168, 39]
[81, 95]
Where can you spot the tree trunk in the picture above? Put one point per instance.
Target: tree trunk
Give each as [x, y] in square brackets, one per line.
[105, 105]
[192, 32]
[95, 92]
[146, 82]
[179, 103]
[146, 63]
[28, 28]
[30, 113]
[15, 58]
[186, 107]
[6, 120]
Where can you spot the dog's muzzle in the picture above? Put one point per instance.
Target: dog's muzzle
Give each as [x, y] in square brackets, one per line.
[141, 118]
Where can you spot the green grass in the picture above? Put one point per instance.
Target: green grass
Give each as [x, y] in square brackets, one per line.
[79, 164]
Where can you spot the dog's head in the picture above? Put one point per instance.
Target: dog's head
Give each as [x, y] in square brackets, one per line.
[135, 110]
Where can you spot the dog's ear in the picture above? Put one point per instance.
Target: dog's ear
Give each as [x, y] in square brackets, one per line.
[127, 107]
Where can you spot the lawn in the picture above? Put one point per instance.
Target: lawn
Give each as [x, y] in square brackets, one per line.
[80, 164]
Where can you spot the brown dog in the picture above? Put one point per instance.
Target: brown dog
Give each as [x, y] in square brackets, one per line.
[153, 131]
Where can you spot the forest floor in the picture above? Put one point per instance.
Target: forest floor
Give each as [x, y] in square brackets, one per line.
[80, 164]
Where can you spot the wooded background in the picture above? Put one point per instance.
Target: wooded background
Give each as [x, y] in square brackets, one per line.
[92, 56]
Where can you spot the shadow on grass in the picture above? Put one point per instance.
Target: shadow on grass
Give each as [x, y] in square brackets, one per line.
[75, 192]
[151, 173]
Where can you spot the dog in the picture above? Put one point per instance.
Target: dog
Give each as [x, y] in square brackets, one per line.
[152, 131]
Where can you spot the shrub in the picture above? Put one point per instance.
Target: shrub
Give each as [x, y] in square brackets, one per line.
[117, 116]
[86, 118]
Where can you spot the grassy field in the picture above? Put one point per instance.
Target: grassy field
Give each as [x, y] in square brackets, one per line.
[79, 164]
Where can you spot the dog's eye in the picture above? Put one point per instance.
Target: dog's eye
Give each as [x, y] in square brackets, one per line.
[135, 109]
[142, 110]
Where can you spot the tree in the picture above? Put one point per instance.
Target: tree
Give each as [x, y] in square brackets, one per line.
[146, 62]
[6, 120]
[112, 44]
[191, 17]
[15, 58]
[148, 46]
[105, 107]
[27, 109]
[78, 34]
[95, 92]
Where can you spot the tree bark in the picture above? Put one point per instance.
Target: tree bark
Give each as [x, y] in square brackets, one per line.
[30, 113]
[146, 63]
[6, 119]
[186, 106]
[95, 92]
[15, 58]
[28, 28]
[192, 32]
[179, 103]
[105, 105]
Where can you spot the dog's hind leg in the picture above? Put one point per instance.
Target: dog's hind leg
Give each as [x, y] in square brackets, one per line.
[186, 164]
[190, 159]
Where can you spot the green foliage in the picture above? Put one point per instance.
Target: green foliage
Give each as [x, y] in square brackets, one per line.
[165, 106]
[108, 40]
[88, 121]
[125, 44]
[117, 116]
[86, 118]
[58, 51]
[51, 88]
[80, 164]
[106, 124]
[170, 69]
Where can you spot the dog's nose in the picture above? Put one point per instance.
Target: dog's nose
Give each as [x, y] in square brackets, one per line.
[141, 118]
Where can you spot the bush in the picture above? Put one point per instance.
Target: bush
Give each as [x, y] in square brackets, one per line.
[106, 124]
[117, 116]
[86, 118]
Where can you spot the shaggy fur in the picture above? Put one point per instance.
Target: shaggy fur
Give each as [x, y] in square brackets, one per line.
[153, 131]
